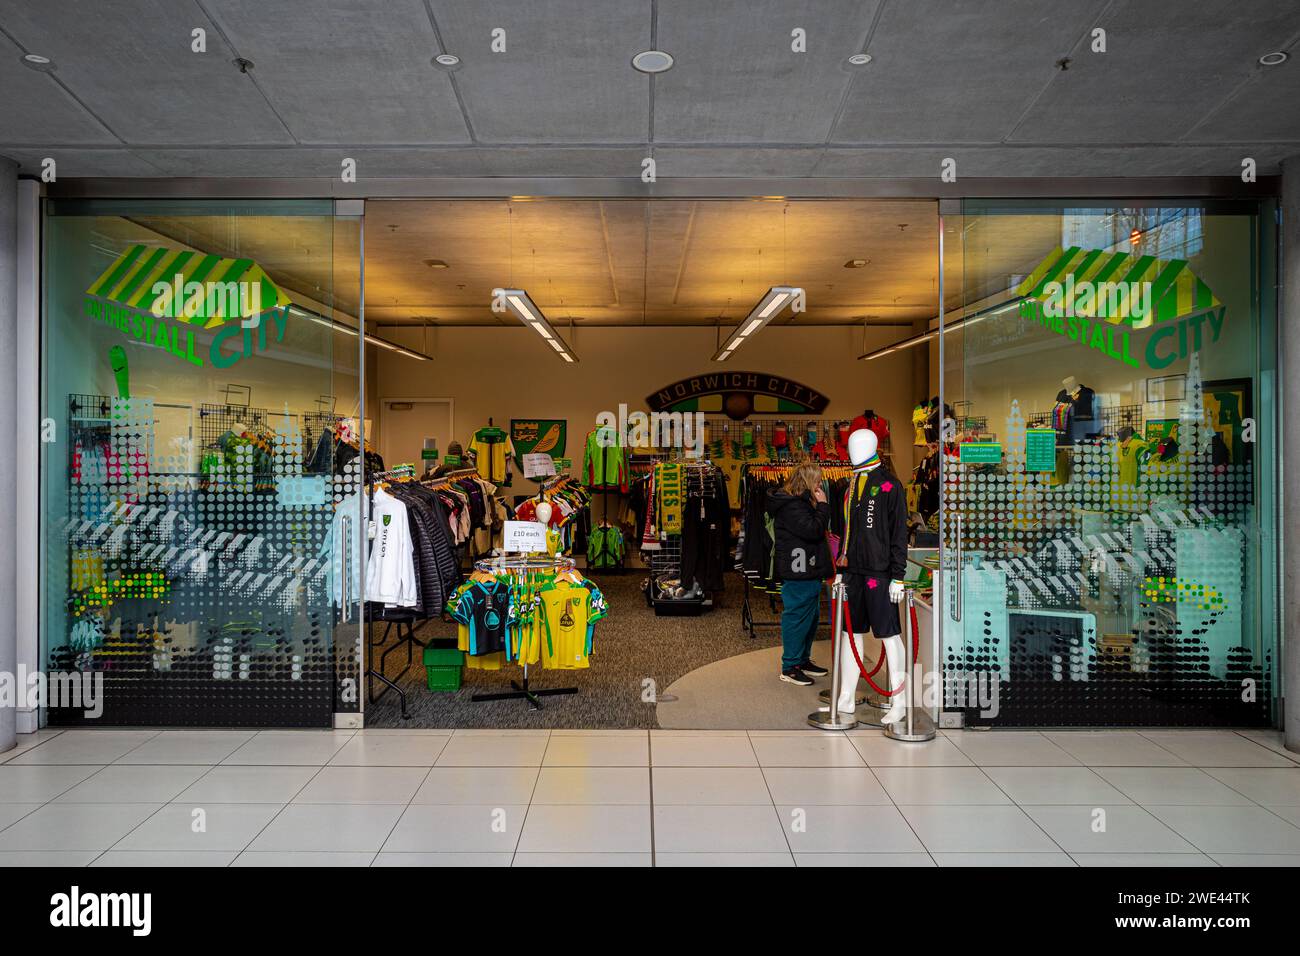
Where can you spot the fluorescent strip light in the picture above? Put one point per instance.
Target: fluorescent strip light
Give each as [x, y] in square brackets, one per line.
[525, 309]
[923, 337]
[346, 329]
[773, 301]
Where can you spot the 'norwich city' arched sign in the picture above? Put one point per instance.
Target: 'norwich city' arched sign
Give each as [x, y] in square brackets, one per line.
[738, 395]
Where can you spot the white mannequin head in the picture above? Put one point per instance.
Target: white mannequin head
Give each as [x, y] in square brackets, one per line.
[1068, 383]
[862, 446]
[544, 512]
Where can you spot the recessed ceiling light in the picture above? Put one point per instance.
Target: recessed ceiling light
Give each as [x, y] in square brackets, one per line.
[860, 59]
[856, 263]
[448, 61]
[37, 62]
[652, 61]
[436, 263]
[1274, 59]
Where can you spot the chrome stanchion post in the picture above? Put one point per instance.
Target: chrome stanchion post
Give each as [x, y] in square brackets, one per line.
[919, 726]
[832, 719]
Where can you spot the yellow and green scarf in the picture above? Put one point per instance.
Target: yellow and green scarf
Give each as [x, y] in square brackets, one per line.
[670, 488]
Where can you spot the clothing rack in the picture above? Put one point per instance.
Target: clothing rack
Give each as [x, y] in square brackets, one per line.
[523, 563]
[405, 622]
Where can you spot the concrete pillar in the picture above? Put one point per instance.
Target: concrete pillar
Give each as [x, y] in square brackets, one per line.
[1289, 386]
[8, 440]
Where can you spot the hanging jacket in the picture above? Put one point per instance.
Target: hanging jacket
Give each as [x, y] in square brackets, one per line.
[800, 551]
[875, 514]
[604, 461]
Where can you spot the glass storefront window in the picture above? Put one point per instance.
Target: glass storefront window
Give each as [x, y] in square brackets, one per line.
[191, 365]
[1110, 474]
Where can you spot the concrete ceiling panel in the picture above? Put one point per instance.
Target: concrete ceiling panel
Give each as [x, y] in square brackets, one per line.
[130, 62]
[340, 71]
[737, 79]
[947, 72]
[566, 74]
[1167, 65]
[35, 110]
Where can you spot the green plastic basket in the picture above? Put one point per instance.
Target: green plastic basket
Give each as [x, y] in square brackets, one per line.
[443, 668]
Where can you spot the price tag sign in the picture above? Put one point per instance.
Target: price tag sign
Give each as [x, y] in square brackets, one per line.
[538, 465]
[522, 537]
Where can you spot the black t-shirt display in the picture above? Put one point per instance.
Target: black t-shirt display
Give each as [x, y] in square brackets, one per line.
[1081, 400]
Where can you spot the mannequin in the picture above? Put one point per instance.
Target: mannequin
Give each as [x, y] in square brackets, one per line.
[873, 561]
[543, 513]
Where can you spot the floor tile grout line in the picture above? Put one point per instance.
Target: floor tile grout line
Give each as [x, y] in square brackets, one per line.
[780, 821]
[901, 815]
[650, 777]
[275, 816]
[1281, 753]
[398, 821]
[532, 794]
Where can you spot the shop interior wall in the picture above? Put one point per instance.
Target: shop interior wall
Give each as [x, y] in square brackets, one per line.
[504, 372]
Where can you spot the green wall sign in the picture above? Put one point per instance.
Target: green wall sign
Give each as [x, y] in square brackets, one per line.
[1040, 449]
[980, 452]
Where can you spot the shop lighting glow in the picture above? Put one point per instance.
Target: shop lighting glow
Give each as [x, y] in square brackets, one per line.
[346, 329]
[776, 299]
[526, 310]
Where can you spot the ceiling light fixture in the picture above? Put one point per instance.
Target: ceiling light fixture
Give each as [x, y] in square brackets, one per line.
[517, 302]
[856, 263]
[446, 61]
[776, 299]
[652, 61]
[1277, 58]
[860, 59]
[346, 329]
[436, 263]
[35, 61]
[923, 337]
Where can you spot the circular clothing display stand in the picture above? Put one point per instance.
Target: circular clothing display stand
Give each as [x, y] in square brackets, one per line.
[560, 564]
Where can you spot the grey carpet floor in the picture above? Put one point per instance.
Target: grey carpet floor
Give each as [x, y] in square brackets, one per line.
[634, 650]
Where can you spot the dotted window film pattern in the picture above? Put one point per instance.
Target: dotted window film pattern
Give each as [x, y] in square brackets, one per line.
[1112, 591]
[200, 576]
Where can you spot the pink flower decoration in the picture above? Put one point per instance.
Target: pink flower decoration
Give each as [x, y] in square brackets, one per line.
[871, 583]
[887, 486]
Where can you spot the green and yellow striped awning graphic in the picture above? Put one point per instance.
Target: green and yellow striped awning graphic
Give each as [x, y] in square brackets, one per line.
[231, 288]
[1176, 292]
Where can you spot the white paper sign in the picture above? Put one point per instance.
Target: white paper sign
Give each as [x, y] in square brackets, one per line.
[538, 465]
[523, 536]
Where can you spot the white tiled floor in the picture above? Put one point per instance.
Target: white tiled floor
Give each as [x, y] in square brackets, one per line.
[658, 798]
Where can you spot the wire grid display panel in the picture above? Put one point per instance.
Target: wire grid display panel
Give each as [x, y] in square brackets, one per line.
[201, 601]
[1162, 566]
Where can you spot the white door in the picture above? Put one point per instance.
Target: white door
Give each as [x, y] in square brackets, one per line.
[405, 424]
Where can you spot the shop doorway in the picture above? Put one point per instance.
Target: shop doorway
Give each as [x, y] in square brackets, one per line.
[543, 318]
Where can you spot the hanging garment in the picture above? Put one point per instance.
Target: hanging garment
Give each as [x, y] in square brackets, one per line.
[604, 460]
[493, 455]
[390, 569]
[874, 423]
